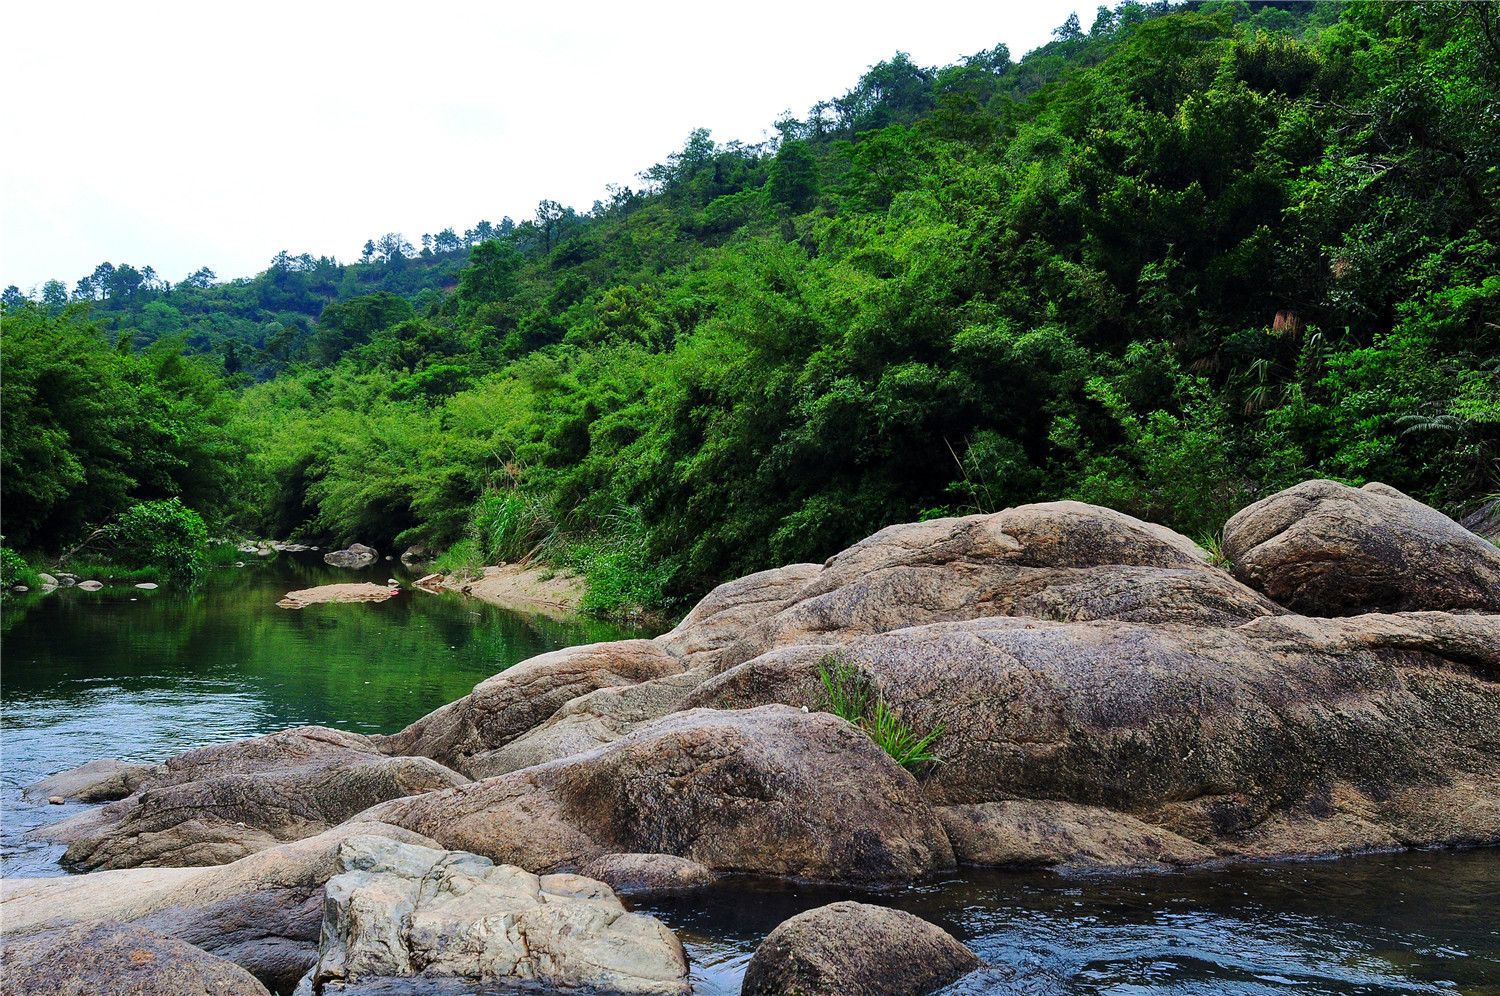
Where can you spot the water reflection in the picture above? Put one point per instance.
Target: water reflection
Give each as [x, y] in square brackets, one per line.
[141, 675]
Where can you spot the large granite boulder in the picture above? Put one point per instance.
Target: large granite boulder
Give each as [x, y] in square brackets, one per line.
[1324, 548]
[398, 910]
[855, 949]
[262, 912]
[355, 555]
[463, 734]
[774, 790]
[1062, 561]
[116, 960]
[1213, 735]
[219, 803]
[1106, 697]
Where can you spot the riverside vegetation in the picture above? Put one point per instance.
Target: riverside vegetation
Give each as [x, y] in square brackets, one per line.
[1169, 263]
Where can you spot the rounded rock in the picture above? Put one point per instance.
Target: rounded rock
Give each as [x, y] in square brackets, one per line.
[851, 948]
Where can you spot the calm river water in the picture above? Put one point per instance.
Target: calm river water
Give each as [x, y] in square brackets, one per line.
[142, 675]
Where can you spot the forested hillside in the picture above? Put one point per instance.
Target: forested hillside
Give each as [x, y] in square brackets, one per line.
[1168, 263]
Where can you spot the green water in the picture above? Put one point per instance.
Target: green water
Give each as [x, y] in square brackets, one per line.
[143, 675]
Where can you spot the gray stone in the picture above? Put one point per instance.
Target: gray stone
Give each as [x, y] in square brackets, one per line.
[396, 910]
[356, 555]
[855, 949]
[1327, 549]
[117, 960]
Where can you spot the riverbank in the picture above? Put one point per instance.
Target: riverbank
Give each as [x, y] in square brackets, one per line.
[550, 591]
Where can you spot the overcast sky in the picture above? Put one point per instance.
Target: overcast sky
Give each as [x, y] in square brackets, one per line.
[189, 134]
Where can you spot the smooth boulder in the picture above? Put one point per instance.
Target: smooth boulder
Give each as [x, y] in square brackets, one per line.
[465, 734]
[648, 873]
[773, 790]
[1063, 561]
[1326, 549]
[217, 804]
[355, 555]
[1286, 735]
[97, 781]
[856, 949]
[397, 910]
[117, 960]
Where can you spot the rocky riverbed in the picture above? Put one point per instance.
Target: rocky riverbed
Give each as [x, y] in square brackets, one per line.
[1106, 698]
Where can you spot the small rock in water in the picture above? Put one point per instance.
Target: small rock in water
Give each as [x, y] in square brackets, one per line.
[90, 585]
[239, 563]
[356, 555]
[55, 800]
[148, 586]
[20, 587]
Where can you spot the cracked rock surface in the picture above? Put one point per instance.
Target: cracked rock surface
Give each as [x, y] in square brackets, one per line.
[396, 910]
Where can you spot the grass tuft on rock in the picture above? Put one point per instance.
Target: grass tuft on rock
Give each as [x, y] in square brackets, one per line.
[848, 694]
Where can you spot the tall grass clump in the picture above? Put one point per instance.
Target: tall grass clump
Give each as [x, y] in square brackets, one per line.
[849, 695]
[510, 526]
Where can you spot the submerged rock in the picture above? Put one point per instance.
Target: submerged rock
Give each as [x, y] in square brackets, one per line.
[855, 949]
[117, 960]
[328, 593]
[398, 910]
[1327, 549]
[354, 555]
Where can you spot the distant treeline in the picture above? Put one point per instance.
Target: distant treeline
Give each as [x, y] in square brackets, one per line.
[1168, 263]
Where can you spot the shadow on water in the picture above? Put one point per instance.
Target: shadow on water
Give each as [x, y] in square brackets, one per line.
[141, 675]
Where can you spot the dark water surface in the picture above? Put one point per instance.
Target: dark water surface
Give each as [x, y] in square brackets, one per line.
[1417, 922]
[142, 675]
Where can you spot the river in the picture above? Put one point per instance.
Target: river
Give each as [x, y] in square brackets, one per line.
[141, 675]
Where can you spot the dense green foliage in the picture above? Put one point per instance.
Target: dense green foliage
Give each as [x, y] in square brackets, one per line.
[164, 534]
[1167, 264]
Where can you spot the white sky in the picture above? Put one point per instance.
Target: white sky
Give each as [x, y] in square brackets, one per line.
[188, 134]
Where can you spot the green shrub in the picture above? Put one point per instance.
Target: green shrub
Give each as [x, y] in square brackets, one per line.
[15, 570]
[619, 569]
[105, 570]
[849, 695]
[166, 535]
